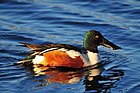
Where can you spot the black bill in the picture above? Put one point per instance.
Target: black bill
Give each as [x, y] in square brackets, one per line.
[109, 44]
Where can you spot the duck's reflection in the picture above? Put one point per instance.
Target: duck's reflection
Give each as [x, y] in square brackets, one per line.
[102, 83]
[92, 76]
[59, 75]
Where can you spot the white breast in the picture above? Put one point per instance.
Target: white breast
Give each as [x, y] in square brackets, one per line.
[93, 58]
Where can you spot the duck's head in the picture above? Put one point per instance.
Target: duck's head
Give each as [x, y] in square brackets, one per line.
[94, 38]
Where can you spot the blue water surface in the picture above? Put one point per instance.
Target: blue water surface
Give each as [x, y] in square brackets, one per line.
[66, 21]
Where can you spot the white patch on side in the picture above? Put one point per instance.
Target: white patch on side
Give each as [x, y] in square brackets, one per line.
[73, 53]
[93, 58]
[38, 59]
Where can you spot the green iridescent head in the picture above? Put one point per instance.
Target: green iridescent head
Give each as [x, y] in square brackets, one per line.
[94, 38]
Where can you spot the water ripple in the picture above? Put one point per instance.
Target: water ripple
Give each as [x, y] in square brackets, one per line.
[66, 21]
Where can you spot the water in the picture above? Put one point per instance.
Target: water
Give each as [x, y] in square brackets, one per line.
[66, 21]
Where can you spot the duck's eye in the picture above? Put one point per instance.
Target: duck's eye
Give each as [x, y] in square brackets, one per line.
[96, 36]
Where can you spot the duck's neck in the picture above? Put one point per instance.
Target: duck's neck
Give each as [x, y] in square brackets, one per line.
[92, 57]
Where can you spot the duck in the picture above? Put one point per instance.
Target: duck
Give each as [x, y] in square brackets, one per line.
[66, 55]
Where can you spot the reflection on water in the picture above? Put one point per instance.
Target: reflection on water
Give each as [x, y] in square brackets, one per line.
[103, 83]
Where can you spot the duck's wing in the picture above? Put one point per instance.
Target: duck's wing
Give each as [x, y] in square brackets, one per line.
[50, 47]
[63, 46]
[33, 47]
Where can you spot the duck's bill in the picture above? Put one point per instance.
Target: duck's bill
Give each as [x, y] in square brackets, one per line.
[109, 44]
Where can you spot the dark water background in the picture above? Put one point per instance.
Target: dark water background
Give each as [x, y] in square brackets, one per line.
[66, 21]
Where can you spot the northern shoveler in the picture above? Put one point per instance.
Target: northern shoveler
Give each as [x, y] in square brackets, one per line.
[53, 55]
